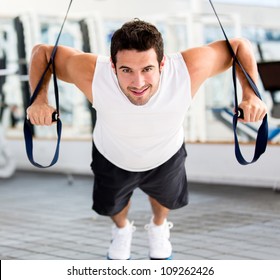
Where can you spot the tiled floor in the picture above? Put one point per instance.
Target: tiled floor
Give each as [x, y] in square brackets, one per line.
[45, 216]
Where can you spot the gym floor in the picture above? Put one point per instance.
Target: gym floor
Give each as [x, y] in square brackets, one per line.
[46, 216]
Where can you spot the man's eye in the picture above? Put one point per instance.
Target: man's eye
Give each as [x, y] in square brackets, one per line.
[148, 69]
[125, 70]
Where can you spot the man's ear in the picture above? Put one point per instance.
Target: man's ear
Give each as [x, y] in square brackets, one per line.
[113, 66]
[161, 65]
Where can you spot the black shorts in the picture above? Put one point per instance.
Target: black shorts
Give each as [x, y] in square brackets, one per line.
[114, 186]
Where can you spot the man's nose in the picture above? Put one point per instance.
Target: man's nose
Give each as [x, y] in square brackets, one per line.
[138, 80]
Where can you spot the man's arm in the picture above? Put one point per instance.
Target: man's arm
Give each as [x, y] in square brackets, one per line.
[210, 60]
[72, 66]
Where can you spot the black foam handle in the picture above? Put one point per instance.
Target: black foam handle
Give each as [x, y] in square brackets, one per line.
[54, 116]
[240, 114]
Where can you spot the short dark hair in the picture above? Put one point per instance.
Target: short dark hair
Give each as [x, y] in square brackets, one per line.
[137, 35]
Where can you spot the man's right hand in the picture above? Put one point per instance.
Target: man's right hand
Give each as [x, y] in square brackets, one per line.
[40, 114]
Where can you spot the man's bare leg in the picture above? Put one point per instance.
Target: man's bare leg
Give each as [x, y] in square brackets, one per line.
[160, 212]
[120, 219]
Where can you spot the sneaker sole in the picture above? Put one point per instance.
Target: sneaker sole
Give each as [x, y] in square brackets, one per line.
[109, 259]
[163, 259]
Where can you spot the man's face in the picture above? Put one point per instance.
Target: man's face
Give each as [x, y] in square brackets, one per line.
[138, 74]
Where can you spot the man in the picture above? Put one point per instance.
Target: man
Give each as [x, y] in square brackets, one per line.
[141, 97]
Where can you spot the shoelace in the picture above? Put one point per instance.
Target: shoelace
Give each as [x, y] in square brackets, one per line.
[167, 225]
[122, 238]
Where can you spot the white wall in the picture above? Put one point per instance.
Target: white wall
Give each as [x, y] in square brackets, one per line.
[120, 8]
[144, 9]
[249, 15]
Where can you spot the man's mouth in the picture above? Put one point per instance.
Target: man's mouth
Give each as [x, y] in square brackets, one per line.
[139, 92]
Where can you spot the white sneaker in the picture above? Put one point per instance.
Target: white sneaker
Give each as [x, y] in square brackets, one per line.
[160, 246]
[121, 242]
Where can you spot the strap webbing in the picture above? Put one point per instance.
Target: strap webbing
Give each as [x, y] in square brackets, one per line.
[28, 135]
[262, 135]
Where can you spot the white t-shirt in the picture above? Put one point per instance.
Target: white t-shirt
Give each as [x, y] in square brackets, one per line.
[140, 138]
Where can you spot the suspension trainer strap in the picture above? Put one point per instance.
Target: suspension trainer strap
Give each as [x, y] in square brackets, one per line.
[28, 127]
[262, 135]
